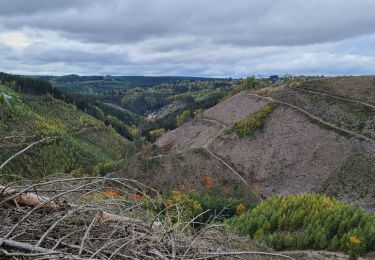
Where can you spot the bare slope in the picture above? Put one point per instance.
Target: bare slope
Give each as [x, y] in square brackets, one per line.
[201, 130]
[177, 170]
[360, 88]
[291, 155]
[193, 134]
[353, 116]
[235, 108]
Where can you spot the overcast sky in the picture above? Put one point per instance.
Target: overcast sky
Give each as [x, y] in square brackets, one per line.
[219, 38]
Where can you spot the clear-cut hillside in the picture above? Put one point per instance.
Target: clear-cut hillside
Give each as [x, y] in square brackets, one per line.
[309, 142]
[360, 88]
[293, 154]
[202, 130]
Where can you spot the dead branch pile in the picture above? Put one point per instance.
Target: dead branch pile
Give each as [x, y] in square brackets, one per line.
[95, 218]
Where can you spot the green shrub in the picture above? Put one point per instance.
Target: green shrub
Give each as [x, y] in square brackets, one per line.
[250, 83]
[308, 221]
[248, 125]
[10, 106]
[202, 152]
[219, 204]
[183, 117]
[156, 134]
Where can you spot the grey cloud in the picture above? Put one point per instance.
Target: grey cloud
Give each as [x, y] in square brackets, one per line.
[239, 22]
[20, 7]
[51, 54]
[196, 37]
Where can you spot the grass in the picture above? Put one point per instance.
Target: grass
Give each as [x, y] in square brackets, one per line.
[247, 126]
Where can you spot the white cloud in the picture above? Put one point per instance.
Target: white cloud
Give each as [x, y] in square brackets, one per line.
[15, 40]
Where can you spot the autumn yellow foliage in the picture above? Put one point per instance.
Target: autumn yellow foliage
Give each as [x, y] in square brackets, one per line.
[240, 209]
[354, 241]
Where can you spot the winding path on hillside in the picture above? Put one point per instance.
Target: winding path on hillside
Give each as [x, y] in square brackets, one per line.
[227, 165]
[224, 128]
[360, 136]
[213, 154]
[336, 97]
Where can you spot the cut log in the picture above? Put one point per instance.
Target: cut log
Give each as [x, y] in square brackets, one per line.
[33, 200]
[27, 199]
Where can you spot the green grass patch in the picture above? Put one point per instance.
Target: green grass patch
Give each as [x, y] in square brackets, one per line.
[248, 125]
[363, 115]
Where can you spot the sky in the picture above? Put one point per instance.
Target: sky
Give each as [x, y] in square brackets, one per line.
[211, 38]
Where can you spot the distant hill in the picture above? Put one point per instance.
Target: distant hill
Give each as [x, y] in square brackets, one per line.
[99, 84]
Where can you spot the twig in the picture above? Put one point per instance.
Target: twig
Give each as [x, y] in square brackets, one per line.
[20, 152]
[86, 234]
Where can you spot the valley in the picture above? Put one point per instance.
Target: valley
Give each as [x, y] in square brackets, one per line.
[231, 148]
[187, 130]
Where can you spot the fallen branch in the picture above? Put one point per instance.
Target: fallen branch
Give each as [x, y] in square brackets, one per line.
[33, 200]
[25, 246]
[84, 223]
[22, 151]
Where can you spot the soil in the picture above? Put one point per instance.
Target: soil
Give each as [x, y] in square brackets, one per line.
[184, 171]
[235, 108]
[360, 88]
[200, 130]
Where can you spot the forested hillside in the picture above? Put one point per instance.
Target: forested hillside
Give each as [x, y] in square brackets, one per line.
[127, 101]
[78, 143]
[103, 84]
